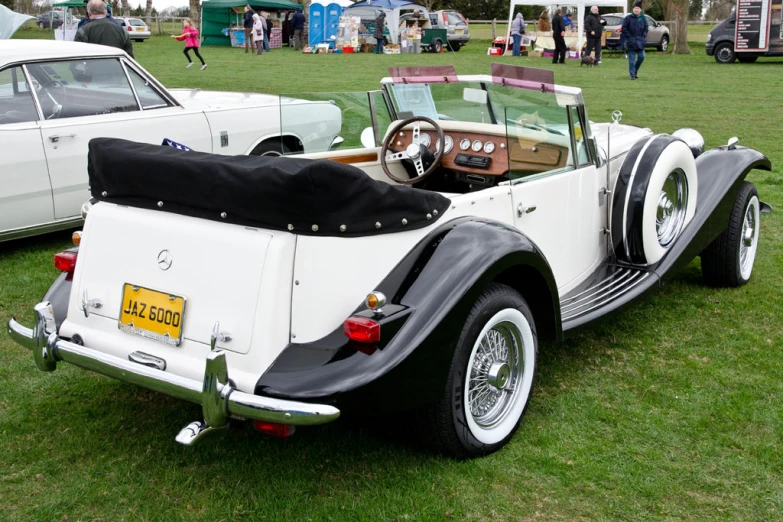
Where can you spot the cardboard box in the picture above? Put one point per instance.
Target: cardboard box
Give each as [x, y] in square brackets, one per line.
[535, 54]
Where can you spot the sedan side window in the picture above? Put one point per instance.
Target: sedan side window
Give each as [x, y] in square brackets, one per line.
[148, 96]
[74, 88]
[16, 100]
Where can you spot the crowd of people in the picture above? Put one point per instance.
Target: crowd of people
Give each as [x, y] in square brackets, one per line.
[98, 26]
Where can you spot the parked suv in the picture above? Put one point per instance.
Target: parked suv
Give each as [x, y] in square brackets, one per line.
[457, 30]
[657, 34]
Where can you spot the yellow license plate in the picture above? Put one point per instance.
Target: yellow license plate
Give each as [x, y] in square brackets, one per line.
[459, 31]
[152, 314]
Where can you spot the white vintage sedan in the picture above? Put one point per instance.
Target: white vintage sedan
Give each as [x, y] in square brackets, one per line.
[56, 96]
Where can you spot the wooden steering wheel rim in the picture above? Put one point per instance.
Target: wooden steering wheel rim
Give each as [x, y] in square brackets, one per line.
[390, 138]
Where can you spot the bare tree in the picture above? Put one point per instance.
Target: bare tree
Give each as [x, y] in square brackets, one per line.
[125, 8]
[681, 10]
[148, 14]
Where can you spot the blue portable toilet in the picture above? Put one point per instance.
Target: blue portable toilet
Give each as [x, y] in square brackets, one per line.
[333, 13]
[316, 27]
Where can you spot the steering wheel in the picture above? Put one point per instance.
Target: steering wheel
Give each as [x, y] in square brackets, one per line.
[413, 152]
[57, 107]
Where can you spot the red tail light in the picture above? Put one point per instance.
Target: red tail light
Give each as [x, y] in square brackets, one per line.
[130, 28]
[445, 20]
[272, 428]
[65, 261]
[362, 330]
[620, 30]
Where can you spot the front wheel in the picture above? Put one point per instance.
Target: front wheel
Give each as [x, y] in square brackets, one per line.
[664, 45]
[724, 52]
[728, 260]
[491, 376]
[40, 25]
[272, 147]
[436, 46]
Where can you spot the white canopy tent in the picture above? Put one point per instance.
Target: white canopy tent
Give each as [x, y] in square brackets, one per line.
[580, 7]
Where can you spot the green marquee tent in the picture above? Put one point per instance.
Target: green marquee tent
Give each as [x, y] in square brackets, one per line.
[217, 15]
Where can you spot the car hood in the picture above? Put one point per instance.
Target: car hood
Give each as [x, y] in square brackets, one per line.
[622, 137]
[198, 99]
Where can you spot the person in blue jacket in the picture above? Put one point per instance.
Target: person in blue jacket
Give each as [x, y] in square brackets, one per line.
[633, 37]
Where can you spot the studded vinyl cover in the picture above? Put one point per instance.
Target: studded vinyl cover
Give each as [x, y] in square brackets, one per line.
[298, 195]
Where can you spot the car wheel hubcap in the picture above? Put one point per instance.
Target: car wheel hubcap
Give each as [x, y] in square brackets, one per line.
[747, 253]
[495, 372]
[672, 204]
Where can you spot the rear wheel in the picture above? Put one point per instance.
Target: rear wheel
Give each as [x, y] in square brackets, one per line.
[491, 377]
[724, 52]
[664, 45]
[271, 148]
[436, 46]
[40, 25]
[728, 260]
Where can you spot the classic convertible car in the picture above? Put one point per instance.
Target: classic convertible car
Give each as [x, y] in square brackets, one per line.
[82, 91]
[414, 273]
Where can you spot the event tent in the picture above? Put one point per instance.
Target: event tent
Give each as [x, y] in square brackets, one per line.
[371, 8]
[216, 15]
[10, 22]
[580, 6]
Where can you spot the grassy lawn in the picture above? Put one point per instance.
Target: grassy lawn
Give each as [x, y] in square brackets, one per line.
[671, 410]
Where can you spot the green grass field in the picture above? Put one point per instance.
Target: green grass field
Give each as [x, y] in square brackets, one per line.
[670, 410]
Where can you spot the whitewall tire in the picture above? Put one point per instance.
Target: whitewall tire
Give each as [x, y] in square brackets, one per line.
[654, 199]
[491, 377]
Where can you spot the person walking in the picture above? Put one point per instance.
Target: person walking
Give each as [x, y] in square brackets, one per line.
[101, 30]
[258, 33]
[558, 34]
[633, 37]
[247, 23]
[517, 30]
[380, 24]
[190, 36]
[594, 28]
[267, 27]
[297, 25]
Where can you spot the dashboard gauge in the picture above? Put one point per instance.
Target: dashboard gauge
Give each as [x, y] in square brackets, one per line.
[449, 144]
[425, 139]
[477, 145]
[464, 144]
[489, 147]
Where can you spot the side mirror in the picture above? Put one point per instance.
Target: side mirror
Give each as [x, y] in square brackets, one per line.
[474, 95]
[368, 138]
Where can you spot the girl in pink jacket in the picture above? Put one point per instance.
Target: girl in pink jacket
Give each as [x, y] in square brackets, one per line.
[190, 35]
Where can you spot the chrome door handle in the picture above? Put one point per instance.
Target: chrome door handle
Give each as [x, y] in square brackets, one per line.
[522, 209]
[55, 138]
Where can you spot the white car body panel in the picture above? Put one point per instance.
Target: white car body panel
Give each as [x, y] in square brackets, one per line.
[196, 120]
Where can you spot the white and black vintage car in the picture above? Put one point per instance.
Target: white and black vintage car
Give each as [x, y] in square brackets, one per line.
[415, 272]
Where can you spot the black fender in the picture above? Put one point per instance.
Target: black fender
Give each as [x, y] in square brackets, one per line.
[721, 172]
[431, 292]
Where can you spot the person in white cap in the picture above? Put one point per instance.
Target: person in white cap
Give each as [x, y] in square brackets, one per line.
[594, 27]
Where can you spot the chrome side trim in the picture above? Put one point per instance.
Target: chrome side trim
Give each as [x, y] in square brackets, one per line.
[44, 228]
[219, 399]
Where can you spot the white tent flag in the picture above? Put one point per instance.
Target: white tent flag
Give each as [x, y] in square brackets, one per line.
[580, 18]
[10, 22]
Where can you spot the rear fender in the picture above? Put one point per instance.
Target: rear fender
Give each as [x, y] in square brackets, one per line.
[431, 292]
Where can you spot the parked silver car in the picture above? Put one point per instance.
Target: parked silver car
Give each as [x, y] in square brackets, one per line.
[137, 29]
[457, 30]
[657, 34]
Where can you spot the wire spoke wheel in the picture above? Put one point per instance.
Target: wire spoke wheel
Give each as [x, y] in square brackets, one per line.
[672, 206]
[494, 373]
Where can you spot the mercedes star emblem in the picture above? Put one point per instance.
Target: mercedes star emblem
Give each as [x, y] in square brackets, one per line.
[164, 260]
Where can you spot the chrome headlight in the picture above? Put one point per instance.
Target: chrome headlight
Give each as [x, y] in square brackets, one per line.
[692, 138]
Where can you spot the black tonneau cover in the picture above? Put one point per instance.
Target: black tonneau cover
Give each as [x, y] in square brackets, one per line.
[313, 197]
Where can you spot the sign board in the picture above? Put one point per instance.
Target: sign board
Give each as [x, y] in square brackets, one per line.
[752, 29]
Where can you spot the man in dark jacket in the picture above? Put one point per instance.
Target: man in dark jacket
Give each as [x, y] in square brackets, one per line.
[633, 37]
[558, 34]
[380, 25]
[594, 27]
[86, 18]
[103, 31]
[247, 23]
[297, 25]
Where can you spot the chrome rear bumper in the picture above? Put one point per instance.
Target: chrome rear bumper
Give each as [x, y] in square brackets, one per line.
[218, 398]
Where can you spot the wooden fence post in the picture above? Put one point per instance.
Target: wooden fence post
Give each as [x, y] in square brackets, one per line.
[157, 20]
[494, 28]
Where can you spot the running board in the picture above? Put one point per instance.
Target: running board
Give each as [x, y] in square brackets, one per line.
[612, 287]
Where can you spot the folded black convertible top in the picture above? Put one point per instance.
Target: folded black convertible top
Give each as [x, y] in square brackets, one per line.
[313, 197]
